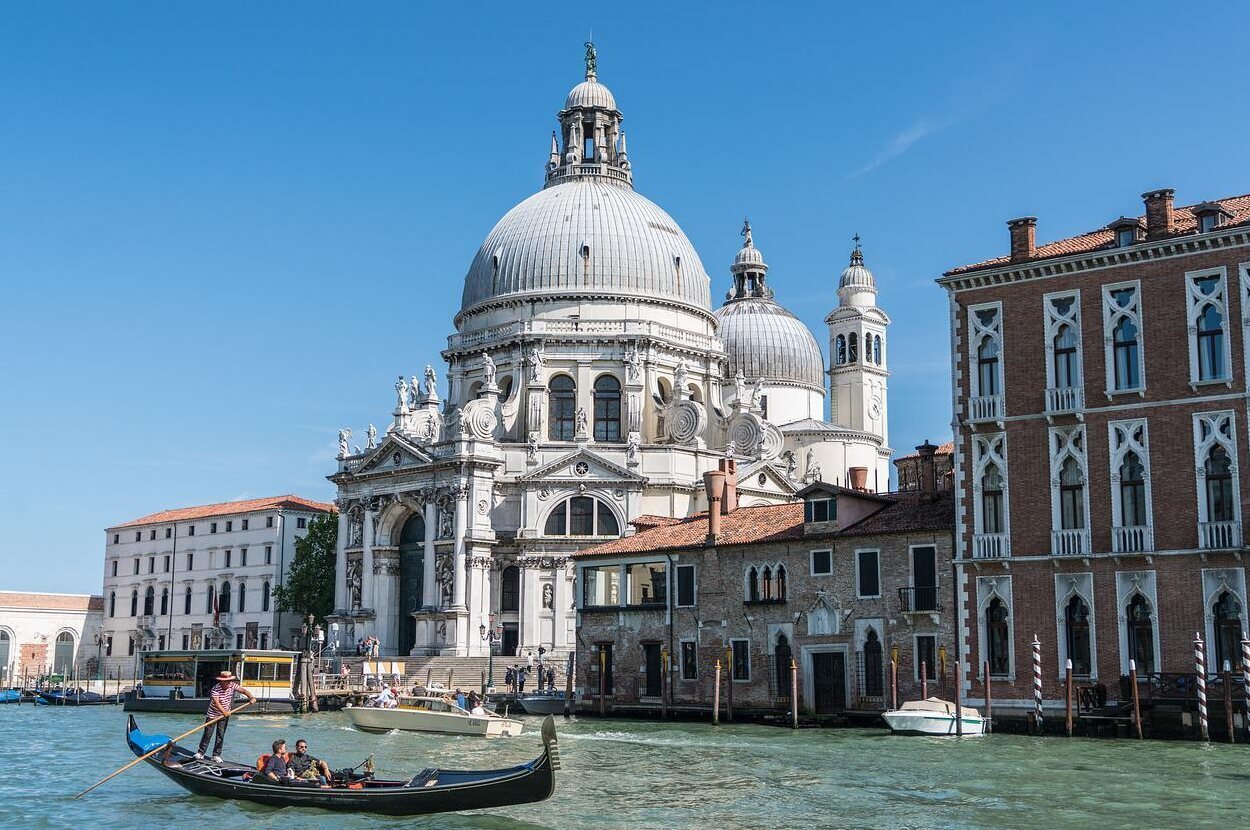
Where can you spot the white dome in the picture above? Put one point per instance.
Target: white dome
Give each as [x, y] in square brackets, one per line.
[588, 94]
[857, 285]
[749, 255]
[586, 237]
[766, 341]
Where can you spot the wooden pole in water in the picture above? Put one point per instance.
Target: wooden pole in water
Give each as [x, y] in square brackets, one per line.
[794, 694]
[603, 681]
[1067, 694]
[1228, 701]
[959, 712]
[893, 684]
[664, 684]
[989, 696]
[451, 673]
[729, 680]
[716, 695]
[924, 680]
[568, 688]
[1200, 669]
[1132, 681]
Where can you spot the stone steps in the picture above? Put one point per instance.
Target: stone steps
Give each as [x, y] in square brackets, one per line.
[463, 672]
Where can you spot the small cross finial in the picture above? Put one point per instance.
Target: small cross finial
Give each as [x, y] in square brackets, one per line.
[746, 231]
[856, 238]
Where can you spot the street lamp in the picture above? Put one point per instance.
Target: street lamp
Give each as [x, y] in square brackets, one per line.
[100, 639]
[490, 636]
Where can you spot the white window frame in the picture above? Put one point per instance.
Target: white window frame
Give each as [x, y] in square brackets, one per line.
[1065, 443]
[1053, 321]
[681, 663]
[1111, 315]
[677, 585]
[976, 333]
[1128, 583]
[987, 448]
[811, 562]
[1133, 435]
[879, 594]
[733, 640]
[1221, 427]
[830, 515]
[990, 588]
[1216, 581]
[1195, 300]
[1243, 271]
[1067, 586]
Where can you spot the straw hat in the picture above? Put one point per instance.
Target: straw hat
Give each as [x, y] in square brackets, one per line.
[226, 675]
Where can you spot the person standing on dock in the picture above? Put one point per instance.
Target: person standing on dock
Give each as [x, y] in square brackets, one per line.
[220, 702]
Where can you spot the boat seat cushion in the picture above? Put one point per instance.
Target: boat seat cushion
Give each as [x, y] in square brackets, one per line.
[424, 778]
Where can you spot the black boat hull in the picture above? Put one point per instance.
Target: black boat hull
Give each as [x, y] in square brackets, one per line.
[432, 791]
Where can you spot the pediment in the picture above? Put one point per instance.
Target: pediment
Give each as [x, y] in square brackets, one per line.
[569, 468]
[394, 453]
[774, 475]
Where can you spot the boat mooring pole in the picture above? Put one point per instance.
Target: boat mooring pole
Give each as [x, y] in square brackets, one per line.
[1245, 676]
[716, 695]
[664, 684]
[959, 712]
[1228, 701]
[1132, 680]
[794, 694]
[603, 681]
[1200, 667]
[989, 698]
[1037, 682]
[568, 687]
[1067, 671]
[893, 683]
[924, 680]
[729, 689]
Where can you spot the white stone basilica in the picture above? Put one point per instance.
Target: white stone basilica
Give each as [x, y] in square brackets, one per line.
[590, 382]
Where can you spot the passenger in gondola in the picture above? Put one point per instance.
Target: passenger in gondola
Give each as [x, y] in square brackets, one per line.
[306, 767]
[275, 768]
[220, 702]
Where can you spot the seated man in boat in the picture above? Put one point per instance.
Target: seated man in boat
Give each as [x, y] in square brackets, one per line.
[275, 768]
[475, 705]
[308, 767]
[385, 699]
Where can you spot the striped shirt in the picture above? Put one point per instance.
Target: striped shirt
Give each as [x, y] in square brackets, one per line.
[223, 695]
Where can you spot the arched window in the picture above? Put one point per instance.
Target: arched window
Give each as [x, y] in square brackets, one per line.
[1124, 344]
[753, 585]
[510, 589]
[1211, 344]
[1227, 625]
[1219, 469]
[209, 596]
[164, 601]
[1066, 368]
[1132, 491]
[876, 349]
[1141, 634]
[839, 350]
[264, 597]
[112, 603]
[6, 645]
[991, 500]
[783, 656]
[874, 666]
[149, 601]
[63, 654]
[242, 596]
[1071, 495]
[134, 603]
[1076, 630]
[581, 516]
[186, 605]
[607, 409]
[987, 367]
[997, 637]
[781, 582]
[852, 348]
[768, 582]
[563, 415]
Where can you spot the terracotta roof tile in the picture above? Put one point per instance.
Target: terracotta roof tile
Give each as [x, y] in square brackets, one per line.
[943, 449]
[1185, 221]
[229, 508]
[51, 602]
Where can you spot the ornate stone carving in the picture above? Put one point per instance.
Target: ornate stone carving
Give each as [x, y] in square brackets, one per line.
[740, 387]
[354, 583]
[431, 383]
[344, 435]
[680, 382]
[633, 363]
[483, 507]
[811, 468]
[583, 420]
[684, 422]
[792, 463]
[478, 420]
[401, 396]
[633, 442]
[535, 363]
[488, 370]
[531, 447]
[548, 596]
[372, 438]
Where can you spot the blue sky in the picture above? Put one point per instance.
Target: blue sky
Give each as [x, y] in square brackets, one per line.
[225, 228]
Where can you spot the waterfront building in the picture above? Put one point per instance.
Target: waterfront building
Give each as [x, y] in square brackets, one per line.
[48, 633]
[908, 467]
[589, 381]
[202, 577]
[1100, 429]
[840, 582]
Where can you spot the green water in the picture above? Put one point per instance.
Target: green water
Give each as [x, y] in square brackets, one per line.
[637, 775]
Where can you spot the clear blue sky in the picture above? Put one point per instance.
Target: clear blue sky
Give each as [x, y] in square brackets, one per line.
[226, 227]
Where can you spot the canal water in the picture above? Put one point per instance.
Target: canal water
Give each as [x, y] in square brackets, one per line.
[637, 775]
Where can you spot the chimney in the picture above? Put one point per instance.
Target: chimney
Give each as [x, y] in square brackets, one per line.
[729, 504]
[714, 484]
[1023, 238]
[859, 478]
[928, 469]
[1160, 220]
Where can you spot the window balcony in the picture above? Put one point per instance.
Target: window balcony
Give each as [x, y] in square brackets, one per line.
[990, 546]
[1216, 535]
[918, 600]
[1071, 542]
[147, 622]
[1139, 539]
[983, 408]
[1064, 400]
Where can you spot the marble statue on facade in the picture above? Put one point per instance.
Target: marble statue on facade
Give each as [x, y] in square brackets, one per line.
[344, 435]
[431, 383]
[488, 370]
[401, 395]
[371, 437]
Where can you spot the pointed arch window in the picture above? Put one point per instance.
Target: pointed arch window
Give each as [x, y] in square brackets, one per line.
[839, 350]
[874, 675]
[998, 637]
[1132, 492]
[768, 582]
[1071, 495]
[1127, 365]
[783, 657]
[1067, 367]
[242, 596]
[134, 603]
[1211, 344]
[607, 409]
[753, 585]
[209, 600]
[563, 397]
[987, 366]
[164, 601]
[264, 597]
[223, 599]
[1141, 634]
[876, 349]
[992, 500]
[852, 348]
[1219, 482]
[1227, 630]
[149, 601]
[781, 582]
[1076, 630]
[186, 603]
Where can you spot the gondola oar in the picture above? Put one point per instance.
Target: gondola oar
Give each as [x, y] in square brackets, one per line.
[162, 746]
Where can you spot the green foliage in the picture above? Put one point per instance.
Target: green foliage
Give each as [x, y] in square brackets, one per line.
[309, 584]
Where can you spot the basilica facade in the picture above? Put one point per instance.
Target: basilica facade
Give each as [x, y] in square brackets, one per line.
[590, 381]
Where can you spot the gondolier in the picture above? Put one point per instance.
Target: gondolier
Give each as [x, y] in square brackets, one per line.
[220, 702]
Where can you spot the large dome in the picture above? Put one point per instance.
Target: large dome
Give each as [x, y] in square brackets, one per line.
[766, 341]
[586, 237]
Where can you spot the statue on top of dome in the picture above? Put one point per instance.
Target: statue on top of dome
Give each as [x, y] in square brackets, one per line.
[591, 59]
[746, 231]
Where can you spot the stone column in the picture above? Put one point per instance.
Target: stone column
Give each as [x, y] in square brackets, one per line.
[461, 530]
[367, 579]
[342, 597]
[429, 586]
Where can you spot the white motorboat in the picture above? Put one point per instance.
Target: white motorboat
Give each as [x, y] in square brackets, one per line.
[542, 703]
[933, 716]
[430, 713]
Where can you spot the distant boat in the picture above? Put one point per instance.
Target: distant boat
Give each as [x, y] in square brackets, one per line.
[933, 716]
[542, 703]
[10, 695]
[75, 697]
[431, 713]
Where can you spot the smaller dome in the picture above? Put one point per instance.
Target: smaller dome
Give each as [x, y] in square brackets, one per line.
[590, 94]
[748, 254]
[857, 285]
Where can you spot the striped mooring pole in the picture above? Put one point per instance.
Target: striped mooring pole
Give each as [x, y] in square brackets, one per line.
[1037, 681]
[1200, 667]
[1245, 674]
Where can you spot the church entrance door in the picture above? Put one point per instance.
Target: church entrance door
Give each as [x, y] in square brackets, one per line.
[508, 645]
[411, 579]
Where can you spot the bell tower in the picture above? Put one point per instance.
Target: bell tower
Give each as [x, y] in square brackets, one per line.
[857, 352]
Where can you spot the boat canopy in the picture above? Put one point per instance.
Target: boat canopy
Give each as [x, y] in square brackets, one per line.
[936, 704]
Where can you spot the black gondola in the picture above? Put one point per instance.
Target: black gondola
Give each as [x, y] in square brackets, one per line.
[75, 697]
[429, 791]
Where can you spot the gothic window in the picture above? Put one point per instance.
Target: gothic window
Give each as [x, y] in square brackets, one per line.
[510, 589]
[1068, 474]
[1219, 481]
[839, 350]
[1211, 345]
[1132, 491]
[1227, 629]
[164, 601]
[242, 596]
[1208, 311]
[768, 582]
[998, 638]
[1071, 496]
[223, 599]
[783, 657]
[134, 603]
[991, 500]
[874, 675]
[781, 582]
[1126, 358]
[753, 585]
[149, 601]
[264, 598]
[1076, 631]
[987, 366]
[1141, 634]
[1066, 368]
[607, 409]
[112, 603]
[563, 424]
[581, 516]
[186, 603]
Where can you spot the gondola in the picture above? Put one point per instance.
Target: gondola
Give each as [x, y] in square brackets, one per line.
[429, 791]
[76, 697]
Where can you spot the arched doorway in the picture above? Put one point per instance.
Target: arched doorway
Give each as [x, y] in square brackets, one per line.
[411, 579]
[874, 677]
[1227, 624]
[782, 655]
[6, 643]
[63, 654]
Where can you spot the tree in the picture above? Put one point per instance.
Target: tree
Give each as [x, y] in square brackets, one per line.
[309, 584]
